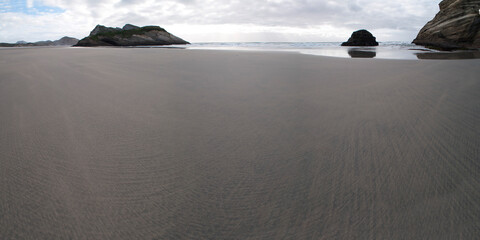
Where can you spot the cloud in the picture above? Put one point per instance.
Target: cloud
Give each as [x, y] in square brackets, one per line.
[306, 20]
[29, 3]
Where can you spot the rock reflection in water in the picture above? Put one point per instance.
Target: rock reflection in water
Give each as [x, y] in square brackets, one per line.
[449, 55]
[362, 52]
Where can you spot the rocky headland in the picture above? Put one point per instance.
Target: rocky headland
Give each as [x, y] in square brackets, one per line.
[361, 38]
[456, 26]
[129, 35]
[64, 41]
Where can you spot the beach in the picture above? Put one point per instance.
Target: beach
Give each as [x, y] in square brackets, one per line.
[151, 143]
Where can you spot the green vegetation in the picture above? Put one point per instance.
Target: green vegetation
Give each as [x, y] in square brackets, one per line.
[128, 33]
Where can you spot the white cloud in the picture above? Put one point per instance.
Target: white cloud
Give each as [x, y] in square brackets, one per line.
[226, 20]
[29, 3]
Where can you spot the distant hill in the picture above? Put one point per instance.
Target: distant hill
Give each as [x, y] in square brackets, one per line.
[129, 35]
[64, 41]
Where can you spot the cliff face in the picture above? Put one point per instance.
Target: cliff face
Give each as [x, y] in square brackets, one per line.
[456, 26]
[129, 35]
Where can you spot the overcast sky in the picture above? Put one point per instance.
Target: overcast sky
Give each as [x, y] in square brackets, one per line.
[219, 20]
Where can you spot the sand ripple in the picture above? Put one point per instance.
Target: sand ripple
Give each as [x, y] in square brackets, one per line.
[170, 144]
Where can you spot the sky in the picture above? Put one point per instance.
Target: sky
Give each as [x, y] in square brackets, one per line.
[219, 20]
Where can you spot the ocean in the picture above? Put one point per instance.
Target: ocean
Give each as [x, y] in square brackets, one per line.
[385, 50]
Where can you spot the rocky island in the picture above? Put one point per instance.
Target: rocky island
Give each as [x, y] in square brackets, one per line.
[456, 26]
[361, 38]
[129, 35]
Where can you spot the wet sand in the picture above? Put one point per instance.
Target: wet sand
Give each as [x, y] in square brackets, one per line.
[109, 143]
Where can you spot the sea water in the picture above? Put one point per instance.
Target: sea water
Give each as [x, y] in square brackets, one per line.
[385, 50]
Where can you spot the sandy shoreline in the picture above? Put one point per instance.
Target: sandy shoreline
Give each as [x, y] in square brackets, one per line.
[109, 143]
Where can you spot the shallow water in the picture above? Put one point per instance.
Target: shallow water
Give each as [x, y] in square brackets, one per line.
[386, 50]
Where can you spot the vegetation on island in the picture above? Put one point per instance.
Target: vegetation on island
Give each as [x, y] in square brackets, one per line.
[127, 33]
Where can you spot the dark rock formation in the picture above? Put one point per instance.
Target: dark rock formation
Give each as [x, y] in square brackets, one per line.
[456, 26]
[129, 35]
[361, 38]
[64, 41]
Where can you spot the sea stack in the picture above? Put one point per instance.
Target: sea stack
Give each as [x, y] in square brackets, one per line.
[361, 38]
[456, 26]
[129, 35]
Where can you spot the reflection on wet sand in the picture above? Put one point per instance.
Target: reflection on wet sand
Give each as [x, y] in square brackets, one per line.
[362, 52]
[449, 55]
